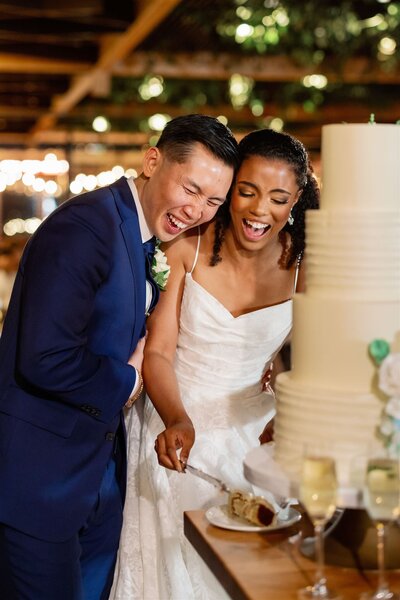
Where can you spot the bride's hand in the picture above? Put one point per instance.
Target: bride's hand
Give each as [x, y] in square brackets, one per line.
[179, 436]
[268, 433]
[266, 378]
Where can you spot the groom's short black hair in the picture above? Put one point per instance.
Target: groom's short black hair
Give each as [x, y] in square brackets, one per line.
[180, 135]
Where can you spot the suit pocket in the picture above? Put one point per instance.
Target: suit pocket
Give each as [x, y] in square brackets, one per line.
[50, 415]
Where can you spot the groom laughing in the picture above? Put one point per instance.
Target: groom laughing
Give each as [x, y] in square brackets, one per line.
[70, 360]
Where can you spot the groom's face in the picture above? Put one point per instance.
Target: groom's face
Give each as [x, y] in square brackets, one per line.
[178, 196]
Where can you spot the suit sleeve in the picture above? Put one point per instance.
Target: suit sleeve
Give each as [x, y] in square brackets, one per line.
[65, 266]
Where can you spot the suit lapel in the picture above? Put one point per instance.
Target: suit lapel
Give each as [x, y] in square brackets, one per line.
[133, 241]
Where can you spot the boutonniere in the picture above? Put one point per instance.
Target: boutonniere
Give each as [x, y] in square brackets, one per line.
[160, 269]
[389, 383]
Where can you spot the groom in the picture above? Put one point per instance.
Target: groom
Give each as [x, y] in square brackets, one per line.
[70, 359]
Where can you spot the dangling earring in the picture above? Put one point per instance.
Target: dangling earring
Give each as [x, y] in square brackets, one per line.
[291, 218]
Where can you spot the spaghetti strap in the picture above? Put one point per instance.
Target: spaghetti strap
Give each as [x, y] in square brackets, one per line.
[197, 251]
[296, 273]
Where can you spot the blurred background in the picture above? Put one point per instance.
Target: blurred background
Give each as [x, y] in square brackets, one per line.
[87, 85]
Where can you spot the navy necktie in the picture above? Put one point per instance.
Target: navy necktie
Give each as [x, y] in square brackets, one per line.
[148, 251]
[149, 248]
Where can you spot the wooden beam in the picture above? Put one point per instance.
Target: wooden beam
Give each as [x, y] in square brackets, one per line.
[202, 65]
[7, 111]
[22, 63]
[146, 21]
[348, 112]
[294, 113]
[310, 136]
[61, 137]
[208, 65]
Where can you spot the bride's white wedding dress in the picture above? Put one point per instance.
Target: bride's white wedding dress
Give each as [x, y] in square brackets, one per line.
[220, 361]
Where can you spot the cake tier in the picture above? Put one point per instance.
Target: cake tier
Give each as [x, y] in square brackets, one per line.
[353, 254]
[309, 414]
[331, 336]
[360, 167]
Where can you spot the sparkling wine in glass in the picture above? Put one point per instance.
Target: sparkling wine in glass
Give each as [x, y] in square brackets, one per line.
[318, 495]
[382, 501]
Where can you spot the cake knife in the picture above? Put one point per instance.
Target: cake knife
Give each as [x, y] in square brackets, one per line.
[282, 504]
[213, 480]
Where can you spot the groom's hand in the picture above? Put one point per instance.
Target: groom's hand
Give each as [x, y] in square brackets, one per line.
[136, 359]
[177, 437]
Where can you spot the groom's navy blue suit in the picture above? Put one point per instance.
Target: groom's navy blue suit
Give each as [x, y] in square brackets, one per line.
[76, 314]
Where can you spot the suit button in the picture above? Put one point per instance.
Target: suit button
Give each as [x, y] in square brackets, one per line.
[110, 436]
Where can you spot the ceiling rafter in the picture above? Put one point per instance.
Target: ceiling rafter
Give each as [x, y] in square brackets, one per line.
[22, 63]
[291, 112]
[61, 137]
[204, 65]
[209, 65]
[151, 16]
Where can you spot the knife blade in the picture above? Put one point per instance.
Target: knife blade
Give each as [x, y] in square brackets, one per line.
[213, 480]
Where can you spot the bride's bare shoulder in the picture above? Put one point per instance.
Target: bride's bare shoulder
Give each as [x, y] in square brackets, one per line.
[183, 248]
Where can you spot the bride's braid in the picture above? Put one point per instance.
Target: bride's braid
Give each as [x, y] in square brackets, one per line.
[221, 223]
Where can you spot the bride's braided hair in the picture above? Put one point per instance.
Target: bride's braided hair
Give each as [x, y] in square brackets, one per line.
[275, 145]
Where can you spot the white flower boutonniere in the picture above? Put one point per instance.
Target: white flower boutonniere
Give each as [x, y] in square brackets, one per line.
[389, 383]
[160, 269]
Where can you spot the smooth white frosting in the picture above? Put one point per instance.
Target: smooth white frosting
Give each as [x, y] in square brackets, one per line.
[360, 167]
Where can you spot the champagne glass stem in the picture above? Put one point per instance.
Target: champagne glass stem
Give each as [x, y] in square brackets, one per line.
[320, 579]
[381, 533]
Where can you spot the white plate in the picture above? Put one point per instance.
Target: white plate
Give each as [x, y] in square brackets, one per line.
[220, 517]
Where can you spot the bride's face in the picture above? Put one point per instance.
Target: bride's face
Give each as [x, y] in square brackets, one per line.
[263, 194]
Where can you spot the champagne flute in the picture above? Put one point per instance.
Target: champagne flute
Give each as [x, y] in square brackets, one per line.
[318, 487]
[381, 499]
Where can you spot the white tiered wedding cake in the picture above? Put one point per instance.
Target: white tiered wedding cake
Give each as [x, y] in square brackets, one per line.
[352, 297]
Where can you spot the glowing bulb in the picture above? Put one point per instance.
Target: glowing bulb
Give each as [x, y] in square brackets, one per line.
[276, 124]
[158, 121]
[75, 187]
[387, 46]
[243, 31]
[32, 224]
[39, 184]
[316, 80]
[50, 187]
[118, 171]
[89, 183]
[101, 124]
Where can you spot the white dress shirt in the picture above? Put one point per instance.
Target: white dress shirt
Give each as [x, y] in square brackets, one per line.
[146, 236]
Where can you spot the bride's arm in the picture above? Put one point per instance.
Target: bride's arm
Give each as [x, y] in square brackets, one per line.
[158, 365]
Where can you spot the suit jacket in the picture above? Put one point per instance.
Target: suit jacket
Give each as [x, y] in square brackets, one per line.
[76, 314]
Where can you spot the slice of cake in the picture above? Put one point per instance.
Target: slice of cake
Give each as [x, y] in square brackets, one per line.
[255, 509]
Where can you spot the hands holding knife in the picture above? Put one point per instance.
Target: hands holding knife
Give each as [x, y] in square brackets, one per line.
[177, 438]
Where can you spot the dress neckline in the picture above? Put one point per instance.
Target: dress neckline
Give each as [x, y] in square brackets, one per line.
[227, 311]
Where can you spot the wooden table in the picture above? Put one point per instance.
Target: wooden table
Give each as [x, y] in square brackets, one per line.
[267, 566]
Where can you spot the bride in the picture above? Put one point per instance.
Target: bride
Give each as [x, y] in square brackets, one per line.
[216, 330]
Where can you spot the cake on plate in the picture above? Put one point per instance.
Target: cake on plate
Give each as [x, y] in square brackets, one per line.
[352, 297]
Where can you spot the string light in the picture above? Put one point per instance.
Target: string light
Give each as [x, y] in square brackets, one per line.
[316, 80]
[158, 121]
[151, 87]
[101, 124]
[387, 46]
